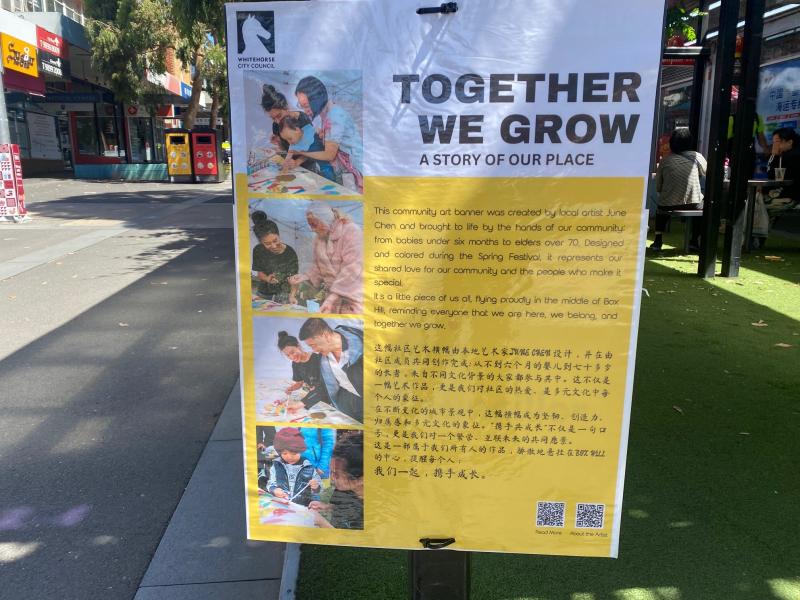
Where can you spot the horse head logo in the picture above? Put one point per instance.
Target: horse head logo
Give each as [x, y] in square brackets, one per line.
[255, 37]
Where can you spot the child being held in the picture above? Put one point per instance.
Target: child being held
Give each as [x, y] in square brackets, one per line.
[292, 477]
[305, 139]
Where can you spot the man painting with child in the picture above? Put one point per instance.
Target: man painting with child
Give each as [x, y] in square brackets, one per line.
[342, 363]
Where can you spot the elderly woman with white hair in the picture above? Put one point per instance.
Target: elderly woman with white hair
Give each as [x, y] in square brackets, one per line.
[338, 262]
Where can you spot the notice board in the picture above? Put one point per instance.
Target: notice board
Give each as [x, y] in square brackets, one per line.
[779, 96]
[440, 231]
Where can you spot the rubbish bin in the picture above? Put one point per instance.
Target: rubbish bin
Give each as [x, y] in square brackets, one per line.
[179, 155]
[226, 148]
[207, 155]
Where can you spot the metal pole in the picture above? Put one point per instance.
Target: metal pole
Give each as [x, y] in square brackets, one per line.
[696, 108]
[743, 149]
[98, 134]
[121, 127]
[718, 135]
[698, 77]
[5, 133]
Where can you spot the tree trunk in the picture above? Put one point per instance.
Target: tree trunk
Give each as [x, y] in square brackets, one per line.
[197, 89]
[214, 111]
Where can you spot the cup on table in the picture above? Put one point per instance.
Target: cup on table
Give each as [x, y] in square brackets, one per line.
[780, 173]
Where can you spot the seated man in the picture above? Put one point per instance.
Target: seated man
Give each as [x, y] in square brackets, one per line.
[342, 364]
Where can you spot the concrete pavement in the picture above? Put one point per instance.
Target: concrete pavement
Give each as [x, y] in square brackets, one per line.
[204, 553]
[117, 355]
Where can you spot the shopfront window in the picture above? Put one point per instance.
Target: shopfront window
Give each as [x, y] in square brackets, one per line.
[66, 143]
[160, 154]
[18, 128]
[676, 104]
[675, 112]
[141, 132]
[85, 135]
[109, 137]
[98, 135]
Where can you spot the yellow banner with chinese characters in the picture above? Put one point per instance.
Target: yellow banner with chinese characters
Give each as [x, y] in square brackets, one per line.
[439, 271]
[497, 355]
[19, 56]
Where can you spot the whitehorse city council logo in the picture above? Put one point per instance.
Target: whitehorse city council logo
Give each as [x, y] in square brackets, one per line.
[256, 37]
[256, 33]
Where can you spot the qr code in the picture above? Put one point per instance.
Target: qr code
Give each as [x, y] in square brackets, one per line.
[590, 516]
[550, 514]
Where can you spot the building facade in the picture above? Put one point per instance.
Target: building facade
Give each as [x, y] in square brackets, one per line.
[778, 103]
[60, 113]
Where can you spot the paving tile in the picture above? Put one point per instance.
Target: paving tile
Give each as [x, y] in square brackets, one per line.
[237, 590]
[229, 425]
[205, 540]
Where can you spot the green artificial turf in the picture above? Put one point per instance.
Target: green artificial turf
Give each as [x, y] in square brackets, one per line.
[712, 491]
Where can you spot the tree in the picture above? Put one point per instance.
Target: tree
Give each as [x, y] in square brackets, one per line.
[128, 38]
[104, 10]
[131, 37]
[201, 26]
[680, 23]
[215, 74]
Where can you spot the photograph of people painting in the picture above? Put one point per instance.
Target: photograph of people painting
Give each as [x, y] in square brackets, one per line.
[305, 132]
[307, 256]
[310, 477]
[309, 371]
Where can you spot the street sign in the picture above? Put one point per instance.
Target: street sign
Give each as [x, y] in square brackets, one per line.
[51, 43]
[18, 55]
[12, 198]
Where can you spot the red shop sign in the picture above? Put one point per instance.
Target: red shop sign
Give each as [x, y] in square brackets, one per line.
[50, 42]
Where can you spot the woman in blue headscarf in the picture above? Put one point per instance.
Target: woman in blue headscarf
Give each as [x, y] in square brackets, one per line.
[341, 138]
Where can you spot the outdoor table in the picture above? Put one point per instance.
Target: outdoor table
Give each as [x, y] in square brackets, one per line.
[271, 398]
[264, 176]
[752, 188]
[274, 511]
[263, 305]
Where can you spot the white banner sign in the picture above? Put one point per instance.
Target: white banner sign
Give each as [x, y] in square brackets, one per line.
[439, 227]
[44, 140]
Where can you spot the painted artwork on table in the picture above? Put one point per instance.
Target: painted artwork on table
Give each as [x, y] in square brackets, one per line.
[275, 404]
[265, 175]
[263, 305]
[274, 511]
